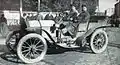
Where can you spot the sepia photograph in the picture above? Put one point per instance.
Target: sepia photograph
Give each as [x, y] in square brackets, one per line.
[59, 32]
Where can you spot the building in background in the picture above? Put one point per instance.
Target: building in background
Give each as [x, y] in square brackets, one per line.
[107, 6]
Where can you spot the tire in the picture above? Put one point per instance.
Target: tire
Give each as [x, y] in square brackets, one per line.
[4, 30]
[98, 41]
[11, 41]
[31, 45]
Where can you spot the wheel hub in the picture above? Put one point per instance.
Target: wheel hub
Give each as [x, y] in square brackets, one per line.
[32, 48]
[99, 41]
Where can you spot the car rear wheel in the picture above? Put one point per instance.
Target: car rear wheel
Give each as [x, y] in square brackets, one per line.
[98, 41]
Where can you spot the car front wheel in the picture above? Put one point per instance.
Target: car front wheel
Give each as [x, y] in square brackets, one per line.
[32, 48]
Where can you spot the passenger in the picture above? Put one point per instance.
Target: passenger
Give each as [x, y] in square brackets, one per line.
[84, 16]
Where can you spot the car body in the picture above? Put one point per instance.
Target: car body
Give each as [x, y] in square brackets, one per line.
[32, 42]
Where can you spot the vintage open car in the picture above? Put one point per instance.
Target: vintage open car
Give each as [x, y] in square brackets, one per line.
[31, 44]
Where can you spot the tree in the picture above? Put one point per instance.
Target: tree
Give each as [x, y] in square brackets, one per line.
[59, 5]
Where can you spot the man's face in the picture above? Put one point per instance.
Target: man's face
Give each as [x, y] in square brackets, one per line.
[73, 8]
[84, 8]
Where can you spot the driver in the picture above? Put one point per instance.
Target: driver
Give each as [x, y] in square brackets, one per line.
[69, 29]
[73, 12]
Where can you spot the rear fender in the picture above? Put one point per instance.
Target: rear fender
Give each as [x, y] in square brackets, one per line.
[82, 40]
[91, 30]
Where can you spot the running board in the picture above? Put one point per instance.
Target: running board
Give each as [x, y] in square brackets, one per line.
[65, 45]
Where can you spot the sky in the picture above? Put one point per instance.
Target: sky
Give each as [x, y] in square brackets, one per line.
[105, 4]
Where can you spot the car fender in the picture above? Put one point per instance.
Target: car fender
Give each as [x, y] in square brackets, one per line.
[81, 41]
[91, 30]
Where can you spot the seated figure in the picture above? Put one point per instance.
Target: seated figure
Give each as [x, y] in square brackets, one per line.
[75, 19]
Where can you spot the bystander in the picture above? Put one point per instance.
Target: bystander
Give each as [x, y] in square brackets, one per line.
[3, 21]
[3, 25]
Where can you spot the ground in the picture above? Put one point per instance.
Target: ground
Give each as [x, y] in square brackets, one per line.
[109, 57]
